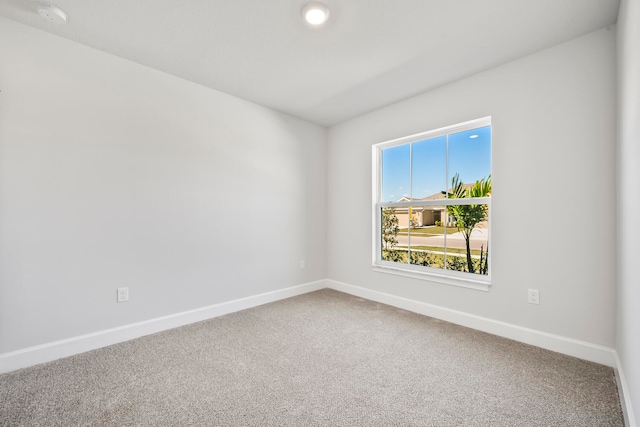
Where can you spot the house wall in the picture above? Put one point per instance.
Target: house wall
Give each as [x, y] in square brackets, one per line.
[113, 174]
[628, 343]
[553, 116]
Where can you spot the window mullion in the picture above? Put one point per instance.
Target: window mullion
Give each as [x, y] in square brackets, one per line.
[410, 209]
[446, 193]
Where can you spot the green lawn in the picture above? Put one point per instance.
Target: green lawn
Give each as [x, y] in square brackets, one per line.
[430, 230]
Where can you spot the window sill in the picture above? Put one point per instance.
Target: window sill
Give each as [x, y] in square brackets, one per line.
[477, 285]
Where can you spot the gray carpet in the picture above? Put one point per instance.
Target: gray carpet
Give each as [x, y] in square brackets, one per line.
[320, 359]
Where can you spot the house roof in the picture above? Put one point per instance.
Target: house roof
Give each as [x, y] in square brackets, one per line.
[435, 196]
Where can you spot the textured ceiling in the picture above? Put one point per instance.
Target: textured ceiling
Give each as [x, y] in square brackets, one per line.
[371, 53]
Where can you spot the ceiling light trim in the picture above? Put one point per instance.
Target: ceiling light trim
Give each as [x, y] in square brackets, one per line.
[315, 14]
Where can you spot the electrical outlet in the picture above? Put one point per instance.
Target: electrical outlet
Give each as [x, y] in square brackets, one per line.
[534, 296]
[123, 294]
[303, 264]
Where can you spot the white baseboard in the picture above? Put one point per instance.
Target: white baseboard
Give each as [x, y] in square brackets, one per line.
[55, 350]
[623, 391]
[569, 346]
[581, 349]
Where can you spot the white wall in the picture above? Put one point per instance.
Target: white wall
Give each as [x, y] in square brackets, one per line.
[113, 174]
[628, 344]
[553, 151]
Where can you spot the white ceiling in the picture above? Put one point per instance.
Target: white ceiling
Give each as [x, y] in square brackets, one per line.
[371, 53]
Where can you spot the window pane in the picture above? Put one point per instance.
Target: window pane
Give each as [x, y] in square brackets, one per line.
[429, 173]
[428, 237]
[470, 155]
[470, 222]
[396, 178]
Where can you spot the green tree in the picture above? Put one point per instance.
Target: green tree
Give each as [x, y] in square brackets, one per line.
[389, 228]
[484, 260]
[468, 216]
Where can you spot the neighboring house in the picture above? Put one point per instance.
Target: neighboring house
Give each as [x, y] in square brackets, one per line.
[420, 216]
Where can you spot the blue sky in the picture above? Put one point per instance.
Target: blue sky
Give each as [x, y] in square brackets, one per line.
[469, 156]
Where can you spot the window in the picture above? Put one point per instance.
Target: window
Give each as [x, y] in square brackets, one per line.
[432, 204]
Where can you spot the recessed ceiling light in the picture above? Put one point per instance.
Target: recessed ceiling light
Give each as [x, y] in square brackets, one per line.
[51, 13]
[315, 13]
[473, 136]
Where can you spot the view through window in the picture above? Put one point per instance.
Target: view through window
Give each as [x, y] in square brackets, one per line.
[432, 201]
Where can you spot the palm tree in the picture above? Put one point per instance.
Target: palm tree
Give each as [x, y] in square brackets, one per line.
[468, 216]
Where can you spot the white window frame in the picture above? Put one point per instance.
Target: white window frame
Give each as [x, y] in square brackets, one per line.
[451, 277]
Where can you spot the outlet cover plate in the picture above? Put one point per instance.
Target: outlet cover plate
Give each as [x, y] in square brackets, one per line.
[123, 294]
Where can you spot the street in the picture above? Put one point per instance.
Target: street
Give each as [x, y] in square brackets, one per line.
[455, 240]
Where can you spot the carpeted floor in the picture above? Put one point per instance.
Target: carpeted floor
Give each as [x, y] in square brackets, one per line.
[320, 359]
